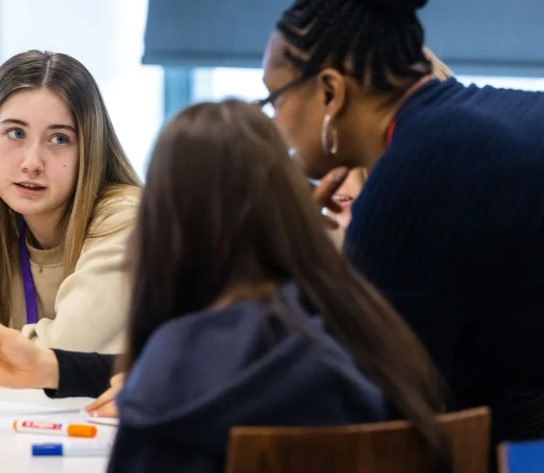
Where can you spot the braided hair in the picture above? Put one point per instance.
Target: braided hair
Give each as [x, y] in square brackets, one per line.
[379, 38]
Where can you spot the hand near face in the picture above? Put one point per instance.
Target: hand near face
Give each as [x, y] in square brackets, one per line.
[324, 192]
[23, 364]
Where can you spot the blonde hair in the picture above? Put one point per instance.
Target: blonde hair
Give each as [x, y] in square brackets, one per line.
[104, 170]
[440, 70]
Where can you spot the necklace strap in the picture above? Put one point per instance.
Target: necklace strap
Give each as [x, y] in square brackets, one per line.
[390, 131]
[28, 281]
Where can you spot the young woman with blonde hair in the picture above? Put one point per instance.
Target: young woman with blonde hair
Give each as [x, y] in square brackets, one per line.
[68, 196]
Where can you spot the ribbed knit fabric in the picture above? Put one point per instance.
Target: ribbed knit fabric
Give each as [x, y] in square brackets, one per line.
[450, 228]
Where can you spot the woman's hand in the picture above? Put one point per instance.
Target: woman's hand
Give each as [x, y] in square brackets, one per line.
[104, 406]
[23, 364]
[324, 192]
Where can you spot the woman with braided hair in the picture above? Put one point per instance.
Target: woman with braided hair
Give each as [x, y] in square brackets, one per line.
[450, 222]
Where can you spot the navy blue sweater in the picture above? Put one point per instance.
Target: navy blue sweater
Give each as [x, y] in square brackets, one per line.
[203, 373]
[450, 228]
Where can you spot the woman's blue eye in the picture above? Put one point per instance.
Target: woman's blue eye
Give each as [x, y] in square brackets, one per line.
[16, 133]
[60, 139]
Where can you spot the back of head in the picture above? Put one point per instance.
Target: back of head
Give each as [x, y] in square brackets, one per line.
[224, 204]
[376, 41]
[220, 194]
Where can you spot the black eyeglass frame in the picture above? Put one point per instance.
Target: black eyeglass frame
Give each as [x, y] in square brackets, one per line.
[273, 96]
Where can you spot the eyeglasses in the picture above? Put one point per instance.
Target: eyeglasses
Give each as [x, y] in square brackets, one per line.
[267, 104]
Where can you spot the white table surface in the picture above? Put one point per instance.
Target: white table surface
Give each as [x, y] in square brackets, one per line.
[15, 447]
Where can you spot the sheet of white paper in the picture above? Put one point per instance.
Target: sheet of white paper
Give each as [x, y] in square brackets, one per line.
[8, 408]
[100, 420]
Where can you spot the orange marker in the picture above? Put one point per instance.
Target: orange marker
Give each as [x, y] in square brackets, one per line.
[54, 428]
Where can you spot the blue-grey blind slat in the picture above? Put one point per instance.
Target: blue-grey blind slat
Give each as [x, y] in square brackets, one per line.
[495, 37]
[209, 32]
[472, 36]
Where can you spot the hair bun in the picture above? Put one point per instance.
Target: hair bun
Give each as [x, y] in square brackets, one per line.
[396, 5]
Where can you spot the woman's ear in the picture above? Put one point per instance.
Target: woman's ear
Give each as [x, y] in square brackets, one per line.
[333, 87]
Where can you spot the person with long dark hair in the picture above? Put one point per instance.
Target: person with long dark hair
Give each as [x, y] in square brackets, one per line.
[244, 313]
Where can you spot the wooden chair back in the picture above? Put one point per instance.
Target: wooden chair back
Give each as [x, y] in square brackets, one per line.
[388, 447]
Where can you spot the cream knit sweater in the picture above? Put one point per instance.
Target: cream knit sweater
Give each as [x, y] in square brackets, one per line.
[86, 311]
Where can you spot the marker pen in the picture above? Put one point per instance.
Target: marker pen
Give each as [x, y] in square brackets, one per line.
[54, 428]
[84, 449]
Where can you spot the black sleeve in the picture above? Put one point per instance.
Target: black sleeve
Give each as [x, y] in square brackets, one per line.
[82, 374]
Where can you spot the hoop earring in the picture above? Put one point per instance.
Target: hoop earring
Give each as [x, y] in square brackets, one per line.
[328, 150]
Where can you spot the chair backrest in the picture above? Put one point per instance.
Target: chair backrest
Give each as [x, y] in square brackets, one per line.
[521, 457]
[387, 447]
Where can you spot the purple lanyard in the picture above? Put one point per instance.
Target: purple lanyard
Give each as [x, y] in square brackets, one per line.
[28, 282]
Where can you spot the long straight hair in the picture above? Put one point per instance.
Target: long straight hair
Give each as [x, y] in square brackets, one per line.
[103, 170]
[225, 205]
